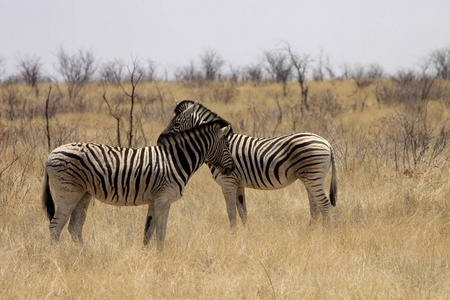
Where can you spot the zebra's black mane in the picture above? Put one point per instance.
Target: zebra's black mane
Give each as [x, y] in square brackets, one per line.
[165, 136]
[185, 104]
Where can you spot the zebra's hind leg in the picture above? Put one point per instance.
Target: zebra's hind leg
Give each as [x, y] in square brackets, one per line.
[149, 224]
[313, 211]
[78, 217]
[242, 205]
[66, 203]
[324, 206]
[318, 201]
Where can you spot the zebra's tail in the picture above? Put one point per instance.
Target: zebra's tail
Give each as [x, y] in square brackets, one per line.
[333, 186]
[47, 199]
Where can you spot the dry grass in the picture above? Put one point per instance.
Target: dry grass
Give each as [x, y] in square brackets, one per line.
[391, 239]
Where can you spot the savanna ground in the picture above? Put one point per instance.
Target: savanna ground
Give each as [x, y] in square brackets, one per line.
[391, 238]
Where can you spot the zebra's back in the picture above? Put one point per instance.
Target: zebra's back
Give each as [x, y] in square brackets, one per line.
[114, 175]
[275, 162]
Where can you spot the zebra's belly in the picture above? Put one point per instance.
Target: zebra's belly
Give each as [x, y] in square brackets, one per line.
[267, 184]
[122, 198]
[133, 197]
[241, 179]
[119, 194]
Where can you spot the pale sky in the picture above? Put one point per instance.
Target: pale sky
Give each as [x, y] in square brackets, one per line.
[393, 33]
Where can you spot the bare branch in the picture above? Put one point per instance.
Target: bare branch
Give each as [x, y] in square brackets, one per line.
[279, 67]
[301, 65]
[76, 70]
[441, 61]
[212, 64]
[30, 69]
[47, 101]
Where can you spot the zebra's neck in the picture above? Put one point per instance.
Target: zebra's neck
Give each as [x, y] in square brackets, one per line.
[186, 157]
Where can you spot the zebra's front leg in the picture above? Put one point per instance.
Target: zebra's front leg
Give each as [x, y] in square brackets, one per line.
[229, 193]
[161, 216]
[149, 224]
[241, 205]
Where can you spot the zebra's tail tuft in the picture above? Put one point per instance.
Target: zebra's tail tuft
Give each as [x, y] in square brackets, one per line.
[333, 186]
[47, 199]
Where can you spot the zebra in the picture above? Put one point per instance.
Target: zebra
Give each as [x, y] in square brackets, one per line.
[156, 176]
[267, 164]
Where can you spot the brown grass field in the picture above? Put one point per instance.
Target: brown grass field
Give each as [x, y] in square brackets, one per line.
[391, 239]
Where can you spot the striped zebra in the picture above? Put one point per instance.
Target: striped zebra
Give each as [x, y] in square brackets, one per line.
[155, 176]
[267, 163]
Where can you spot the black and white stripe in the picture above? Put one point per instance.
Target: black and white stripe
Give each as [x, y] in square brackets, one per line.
[267, 163]
[155, 176]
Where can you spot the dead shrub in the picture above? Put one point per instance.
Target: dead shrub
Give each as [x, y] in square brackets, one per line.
[325, 103]
[409, 139]
[406, 87]
[222, 91]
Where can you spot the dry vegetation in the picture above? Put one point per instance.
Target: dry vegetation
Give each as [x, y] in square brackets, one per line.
[391, 239]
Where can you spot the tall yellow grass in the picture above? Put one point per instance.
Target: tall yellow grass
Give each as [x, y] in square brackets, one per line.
[391, 238]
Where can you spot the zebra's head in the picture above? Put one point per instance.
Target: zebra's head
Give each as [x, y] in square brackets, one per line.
[210, 138]
[219, 154]
[190, 114]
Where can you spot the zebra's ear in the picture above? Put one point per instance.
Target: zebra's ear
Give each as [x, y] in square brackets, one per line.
[192, 106]
[226, 130]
